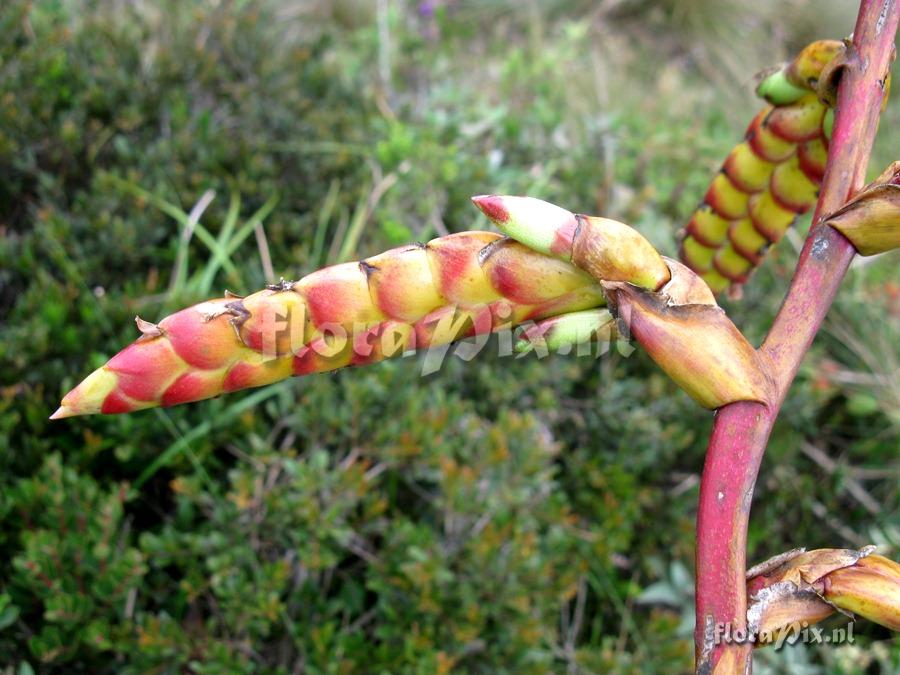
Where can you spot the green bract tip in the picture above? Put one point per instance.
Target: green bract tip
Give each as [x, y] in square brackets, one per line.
[778, 90]
[568, 330]
[828, 123]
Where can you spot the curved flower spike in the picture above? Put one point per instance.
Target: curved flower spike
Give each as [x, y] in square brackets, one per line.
[431, 294]
[769, 178]
[412, 297]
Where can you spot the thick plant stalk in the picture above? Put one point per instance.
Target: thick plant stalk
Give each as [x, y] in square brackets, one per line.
[768, 179]
[801, 587]
[349, 314]
[741, 430]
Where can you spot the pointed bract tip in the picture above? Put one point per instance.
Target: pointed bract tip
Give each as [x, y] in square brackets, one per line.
[492, 206]
[147, 328]
[62, 412]
[88, 397]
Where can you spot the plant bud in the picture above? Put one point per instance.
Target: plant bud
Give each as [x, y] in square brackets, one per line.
[567, 331]
[806, 68]
[870, 591]
[871, 220]
[539, 225]
[606, 249]
[777, 89]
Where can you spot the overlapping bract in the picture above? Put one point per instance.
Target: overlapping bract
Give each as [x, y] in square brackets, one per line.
[871, 219]
[665, 306]
[349, 314]
[768, 179]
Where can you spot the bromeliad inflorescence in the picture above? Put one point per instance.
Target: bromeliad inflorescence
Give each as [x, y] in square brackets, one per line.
[424, 295]
[769, 178]
[407, 298]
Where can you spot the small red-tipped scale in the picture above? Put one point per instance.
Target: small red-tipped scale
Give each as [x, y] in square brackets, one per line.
[193, 386]
[456, 269]
[511, 269]
[382, 341]
[276, 321]
[716, 282]
[256, 370]
[446, 324]
[725, 198]
[747, 241]
[707, 226]
[695, 255]
[731, 264]
[203, 335]
[769, 218]
[791, 189]
[764, 143]
[579, 299]
[813, 156]
[339, 295]
[797, 122]
[116, 403]
[135, 379]
[323, 354]
[747, 170]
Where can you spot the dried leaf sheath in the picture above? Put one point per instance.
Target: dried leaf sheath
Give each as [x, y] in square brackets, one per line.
[802, 587]
[349, 314]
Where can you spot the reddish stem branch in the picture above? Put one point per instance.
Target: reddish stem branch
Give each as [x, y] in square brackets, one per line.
[741, 430]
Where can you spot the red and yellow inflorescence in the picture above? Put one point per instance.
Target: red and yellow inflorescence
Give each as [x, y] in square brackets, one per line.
[407, 298]
[768, 179]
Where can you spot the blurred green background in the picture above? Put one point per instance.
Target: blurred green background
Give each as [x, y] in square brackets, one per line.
[500, 516]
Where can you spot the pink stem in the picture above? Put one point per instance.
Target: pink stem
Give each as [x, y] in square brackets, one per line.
[741, 430]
